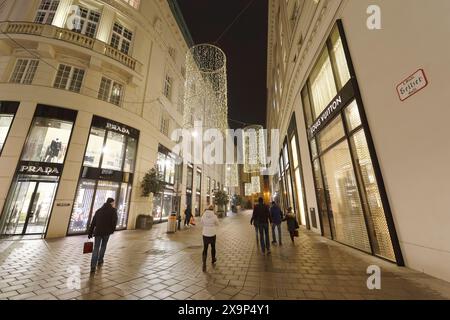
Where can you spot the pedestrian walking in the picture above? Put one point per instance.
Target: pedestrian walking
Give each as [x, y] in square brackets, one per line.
[187, 215]
[102, 227]
[256, 231]
[292, 224]
[276, 215]
[261, 215]
[210, 223]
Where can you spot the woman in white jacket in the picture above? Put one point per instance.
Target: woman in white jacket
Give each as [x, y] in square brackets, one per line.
[210, 223]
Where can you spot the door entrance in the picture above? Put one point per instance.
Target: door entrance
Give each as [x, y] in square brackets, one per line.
[30, 206]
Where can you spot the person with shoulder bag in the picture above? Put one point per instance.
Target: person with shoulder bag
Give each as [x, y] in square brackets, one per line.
[292, 224]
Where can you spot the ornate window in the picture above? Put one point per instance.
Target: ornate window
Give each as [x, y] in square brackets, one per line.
[46, 11]
[69, 78]
[121, 38]
[111, 91]
[24, 71]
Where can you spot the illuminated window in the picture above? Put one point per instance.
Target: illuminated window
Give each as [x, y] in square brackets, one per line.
[111, 91]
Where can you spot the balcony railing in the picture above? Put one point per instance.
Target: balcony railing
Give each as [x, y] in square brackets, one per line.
[76, 38]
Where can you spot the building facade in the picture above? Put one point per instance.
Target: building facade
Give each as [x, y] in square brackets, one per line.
[361, 161]
[90, 92]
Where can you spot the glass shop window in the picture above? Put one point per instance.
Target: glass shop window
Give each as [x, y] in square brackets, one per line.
[48, 140]
[5, 123]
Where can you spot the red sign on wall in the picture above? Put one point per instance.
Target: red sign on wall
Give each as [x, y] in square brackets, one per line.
[411, 85]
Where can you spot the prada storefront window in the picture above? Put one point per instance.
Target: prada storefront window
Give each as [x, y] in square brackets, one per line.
[165, 202]
[107, 172]
[348, 192]
[7, 112]
[32, 193]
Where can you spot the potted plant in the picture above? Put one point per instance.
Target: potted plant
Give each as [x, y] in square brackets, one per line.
[221, 200]
[151, 184]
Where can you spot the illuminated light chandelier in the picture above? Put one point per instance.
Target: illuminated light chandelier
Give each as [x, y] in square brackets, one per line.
[248, 189]
[254, 149]
[232, 176]
[206, 93]
[256, 184]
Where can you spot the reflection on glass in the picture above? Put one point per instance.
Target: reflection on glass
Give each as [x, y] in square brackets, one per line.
[198, 181]
[5, 123]
[328, 230]
[123, 206]
[79, 221]
[170, 170]
[323, 87]
[130, 155]
[294, 152]
[314, 151]
[113, 152]
[333, 132]
[94, 148]
[300, 200]
[285, 156]
[105, 190]
[339, 58]
[345, 203]
[157, 206]
[47, 141]
[28, 210]
[41, 208]
[352, 116]
[383, 246]
[190, 176]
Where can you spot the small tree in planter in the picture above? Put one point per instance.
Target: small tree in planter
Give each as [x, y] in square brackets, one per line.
[151, 184]
[221, 200]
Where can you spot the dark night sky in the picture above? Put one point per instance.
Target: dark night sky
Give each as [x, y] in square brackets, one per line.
[245, 45]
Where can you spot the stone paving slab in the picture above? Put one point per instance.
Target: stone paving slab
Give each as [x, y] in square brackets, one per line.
[151, 265]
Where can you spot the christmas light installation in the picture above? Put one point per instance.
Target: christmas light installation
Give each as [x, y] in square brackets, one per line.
[206, 94]
[254, 149]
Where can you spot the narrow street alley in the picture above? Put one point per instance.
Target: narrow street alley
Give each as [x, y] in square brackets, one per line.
[156, 265]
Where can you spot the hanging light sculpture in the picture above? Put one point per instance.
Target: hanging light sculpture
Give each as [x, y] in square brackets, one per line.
[206, 96]
[254, 149]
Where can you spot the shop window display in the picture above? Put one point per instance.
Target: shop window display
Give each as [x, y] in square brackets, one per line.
[5, 123]
[165, 202]
[107, 172]
[30, 200]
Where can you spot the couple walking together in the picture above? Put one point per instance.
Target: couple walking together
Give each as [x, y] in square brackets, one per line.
[263, 217]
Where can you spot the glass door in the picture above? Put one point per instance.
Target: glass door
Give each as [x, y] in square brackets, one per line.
[30, 207]
[40, 209]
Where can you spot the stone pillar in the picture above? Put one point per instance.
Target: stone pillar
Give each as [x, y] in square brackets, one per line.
[106, 24]
[61, 13]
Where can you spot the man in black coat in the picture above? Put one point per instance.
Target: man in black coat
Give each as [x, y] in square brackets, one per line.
[261, 217]
[102, 226]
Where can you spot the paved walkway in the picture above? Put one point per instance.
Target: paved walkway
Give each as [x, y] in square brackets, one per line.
[155, 265]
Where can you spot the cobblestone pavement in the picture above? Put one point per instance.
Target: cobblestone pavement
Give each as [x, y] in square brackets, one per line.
[156, 265]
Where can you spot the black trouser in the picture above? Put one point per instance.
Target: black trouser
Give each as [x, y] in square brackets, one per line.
[206, 242]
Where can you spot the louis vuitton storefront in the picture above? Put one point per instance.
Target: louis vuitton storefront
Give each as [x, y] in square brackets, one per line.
[350, 192]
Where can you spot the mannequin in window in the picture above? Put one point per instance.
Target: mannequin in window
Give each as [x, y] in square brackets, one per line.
[53, 150]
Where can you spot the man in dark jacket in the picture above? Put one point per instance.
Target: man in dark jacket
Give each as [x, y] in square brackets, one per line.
[275, 213]
[102, 226]
[261, 217]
